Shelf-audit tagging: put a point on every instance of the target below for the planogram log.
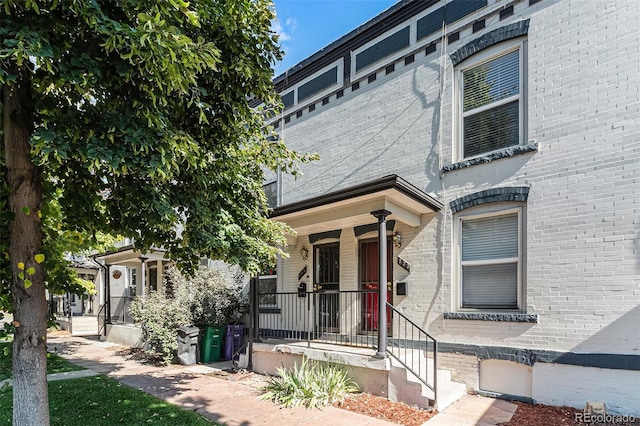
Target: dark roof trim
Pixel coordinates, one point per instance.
(363, 229)
(366, 32)
(378, 185)
(314, 238)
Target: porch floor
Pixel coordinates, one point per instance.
(322, 346)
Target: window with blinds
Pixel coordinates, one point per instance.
(490, 257)
(491, 105)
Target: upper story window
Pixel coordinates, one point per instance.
(271, 191)
(492, 110)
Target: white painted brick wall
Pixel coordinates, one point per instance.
(583, 213)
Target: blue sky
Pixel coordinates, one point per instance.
(306, 26)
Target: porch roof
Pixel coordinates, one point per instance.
(129, 256)
(353, 206)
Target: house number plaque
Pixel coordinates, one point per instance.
(404, 264)
(302, 273)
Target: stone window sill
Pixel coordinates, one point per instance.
(511, 151)
(492, 316)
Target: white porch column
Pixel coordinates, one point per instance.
(143, 275)
(160, 277)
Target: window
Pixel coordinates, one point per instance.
(492, 104)
(271, 191)
(133, 278)
(268, 284)
(490, 260)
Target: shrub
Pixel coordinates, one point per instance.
(211, 300)
(204, 299)
(313, 385)
(160, 318)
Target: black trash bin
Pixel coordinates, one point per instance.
(188, 344)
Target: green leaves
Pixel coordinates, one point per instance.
(313, 384)
(143, 126)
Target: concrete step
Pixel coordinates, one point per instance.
(243, 361)
(84, 326)
(410, 389)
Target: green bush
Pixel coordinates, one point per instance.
(160, 318)
(204, 299)
(211, 300)
(312, 385)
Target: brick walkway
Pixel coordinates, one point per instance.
(224, 401)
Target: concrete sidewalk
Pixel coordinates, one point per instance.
(236, 402)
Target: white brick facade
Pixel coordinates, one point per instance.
(582, 217)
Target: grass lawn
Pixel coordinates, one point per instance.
(100, 401)
(55, 364)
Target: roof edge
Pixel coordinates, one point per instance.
(376, 21)
(378, 185)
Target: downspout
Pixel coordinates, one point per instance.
(254, 321)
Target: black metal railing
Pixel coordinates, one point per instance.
(102, 320)
(414, 348)
(120, 312)
(337, 317)
(347, 318)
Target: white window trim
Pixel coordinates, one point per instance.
(482, 212)
(478, 59)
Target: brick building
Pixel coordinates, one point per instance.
(502, 139)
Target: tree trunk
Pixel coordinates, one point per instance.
(30, 396)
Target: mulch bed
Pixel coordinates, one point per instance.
(382, 408)
(543, 415)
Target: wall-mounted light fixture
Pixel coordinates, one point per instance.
(304, 252)
(397, 239)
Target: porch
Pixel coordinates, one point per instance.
(325, 303)
(125, 273)
(338, 327)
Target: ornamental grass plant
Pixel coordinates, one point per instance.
(313, 385)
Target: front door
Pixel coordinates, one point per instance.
(327, 285)
(369, 281)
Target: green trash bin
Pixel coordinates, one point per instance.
(212, 344)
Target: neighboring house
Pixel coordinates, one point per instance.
(78, 312)
(495, 147)
(85, 304)
(126, 273)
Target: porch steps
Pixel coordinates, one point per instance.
(86, 325)
(406, 387)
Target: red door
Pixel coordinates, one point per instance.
(369, 280)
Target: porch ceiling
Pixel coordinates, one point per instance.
(353, 206)
(129, 256)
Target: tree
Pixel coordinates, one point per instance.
(130, 117)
